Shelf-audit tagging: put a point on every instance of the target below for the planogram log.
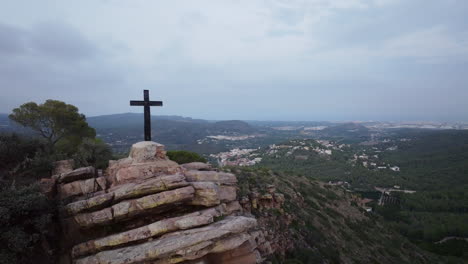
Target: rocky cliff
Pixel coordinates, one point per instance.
(149, 209)
(308, 221)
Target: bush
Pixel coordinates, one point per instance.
(93, 152)
(454, 247)
(25, 217)
(182, 156)
(304, 256)
(15, 149)
(23, 159)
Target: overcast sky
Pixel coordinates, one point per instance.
(241, 59)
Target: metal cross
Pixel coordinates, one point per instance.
(146, 103)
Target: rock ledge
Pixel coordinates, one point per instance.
(148, 209)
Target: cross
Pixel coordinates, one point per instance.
(146, 103)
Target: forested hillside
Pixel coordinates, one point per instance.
(122, 130)
(434, 164)
(437, 163)
(320, 223)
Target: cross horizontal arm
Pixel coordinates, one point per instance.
(155, 103)
(143, 103)
(137, 103)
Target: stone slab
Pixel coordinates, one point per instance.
(169, 245)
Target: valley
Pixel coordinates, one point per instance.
(414, 177)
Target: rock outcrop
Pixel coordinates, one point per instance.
(148, 209)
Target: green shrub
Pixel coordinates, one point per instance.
(93, 152)
(14, 149)
(25, 218)
(22, 159)
(304, 256)
(454, 247)
(182, 156)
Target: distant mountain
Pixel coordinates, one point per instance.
(176, 132)
(168, 123)
(347, 128)
(130, 119)
(350, 131)
(288, 123)
(232, 126)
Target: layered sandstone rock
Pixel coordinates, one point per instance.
(200, 166)
(182, 245)
(148, 209)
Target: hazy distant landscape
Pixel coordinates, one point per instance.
(122, 130)
(380, 160)
(234, 132)
(413, 174)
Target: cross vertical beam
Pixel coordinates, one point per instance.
(146, 103)
(147, 111)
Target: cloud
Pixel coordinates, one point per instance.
(214, 32)
(11, 39)
(326, 57)
(433, 43)
(51, 40)
(51, 60)
(61, 41)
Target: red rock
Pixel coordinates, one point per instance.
(148, 209)
(196, 166)
(91, 203)
(244, 254)
(130, 208)
(128, 173)
(145, 151)
(173, 245)
(206, 194)
(210, 176)
(154, 229)
(227, 193)
(150, 186)
(78, 174)
(77, 188)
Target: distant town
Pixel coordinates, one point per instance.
(384, 125)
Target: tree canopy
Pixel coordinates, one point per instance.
(55, 121)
